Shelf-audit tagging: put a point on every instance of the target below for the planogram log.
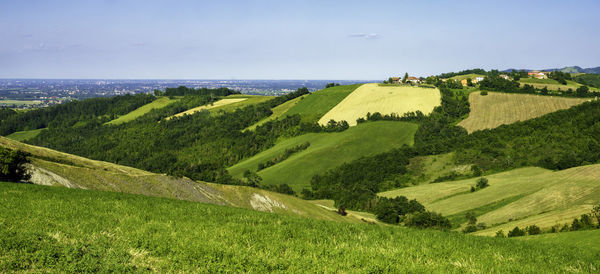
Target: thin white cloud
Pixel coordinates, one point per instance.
(365, 35)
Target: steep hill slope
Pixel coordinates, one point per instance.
(70, 230)
(383, 99)
(278, 111)
(519, 197)
(496, 108)
(50, 167)
(326, 150)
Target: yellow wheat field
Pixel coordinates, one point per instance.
(385, 100)
(216, 104)
(496, 109)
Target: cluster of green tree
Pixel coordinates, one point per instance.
(281, 188)
(464, 72)
(406, 117)
(502, 85)
(331, 126)
(74, 113)
(592, 80)
(286, 154)
(518, 74)
(185, 91)
(472, 224)
(481, 184)
(393, 210)
(5, 113)
(12, 165)
(330, 85)
(355, 185)
(560, 76)
(284, 98)
(558, 140)
(585, 222)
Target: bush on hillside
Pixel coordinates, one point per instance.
(12, 165)
(516, 232)
(427, 219)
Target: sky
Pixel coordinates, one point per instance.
(289, 39)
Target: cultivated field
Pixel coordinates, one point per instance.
(466, 76)
(156, 104)
(495, 109)
(315, 105)
(71, 230)
(551, 84)
(216, 104)
(7, 102)
(326, 151)
(24, 135)
(520, 197)
(383, 99)
(278, 111)
(53, 168)
(248, 100)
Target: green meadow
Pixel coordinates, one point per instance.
(315, 105)
(326, 151)
(69, 230)
(519, 197)
(24, 135)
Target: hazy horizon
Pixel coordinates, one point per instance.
(272, 40)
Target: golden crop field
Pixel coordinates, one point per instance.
(383, 99)
(496, 109)
(216, 104)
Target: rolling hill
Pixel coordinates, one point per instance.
(519, 197)
(497, 109)
(383, 99)
(156, 104)
(53, 168)
(278, 111)
(326, 150)
(72, 230)
(551, 84)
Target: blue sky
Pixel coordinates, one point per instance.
(290, 39)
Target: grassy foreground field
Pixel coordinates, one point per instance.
(156, 104)
(326, 151)
(496, 108)
(53, 168)
(315, 105)
(24, 135)
(68, 230)
(385, 100)
(519, 197)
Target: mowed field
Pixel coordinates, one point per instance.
(51, 229)
(326, 151)
(316, 104)
(552, 84)
(383, 99)
(520, 197)
(156, 104)
(53, 168)
(495, 109)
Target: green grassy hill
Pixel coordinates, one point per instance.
(315, 105)
(466, 76)
(326, 151)
(519, 197)
(50, 167)
(24, 135)
(70, 230)
(278, 111)
(158, 103)
(250, 100)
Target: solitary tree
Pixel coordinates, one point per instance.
(12, 165)
(405, 77)
(596, 213)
